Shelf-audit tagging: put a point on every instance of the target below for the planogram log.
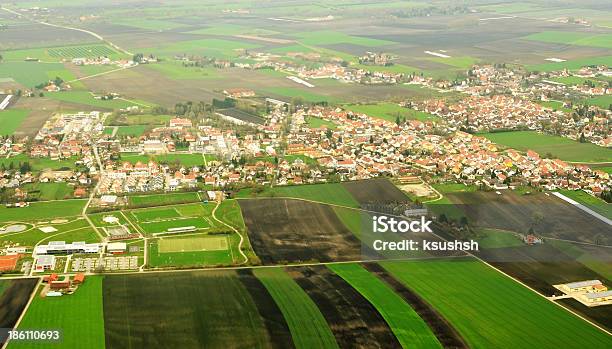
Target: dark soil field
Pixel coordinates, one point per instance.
(353, 320)
(378, 191)
(442, 329)
(14, 299)
(242, 115)
(547, 215)
(191, 310)
(287, 231)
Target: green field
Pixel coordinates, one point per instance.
(555, 105)
(164, 226)
(131, 131)
(28, 74)
(573, 38)
(492, 311)
(58, 53)
(86, 98)
(306, 323)
(49, 191)
(314, 122)
(594, 203)
(232, 29)
(327, 37)
(154, 214)
(408, 327)
(390, 112)
(461, 62)
(187, 160)
(176, 70)
(79, 316)
(604, 102)
(151, 24)
(163, 199)
(494, 238)
(573, 64)
(11, 119)
(37, 164)
(218, 48)
(330, 193)
(190, 251)
(559, 147)
(75, 228)
(43, 210)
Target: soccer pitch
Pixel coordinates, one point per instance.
(191, 244)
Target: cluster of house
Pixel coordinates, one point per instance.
(122, 63)
(589, 292)
(376, 58)
(364, 147)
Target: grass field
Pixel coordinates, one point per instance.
(326, 37)
(604, 102)
(38, 164)
(461, 62)
(132, 131)
(150, 24)
(572, 64)
(555, 105)
(190, 251)
(494, 238)
(86, 98)
(306, 323)
(390, 112)
(331, 193)
(79, 316)
(406, 324)
(163, 199)
(218, 48)
(573, 38)
(42, 210)
(232, 29)
(154, 214)
(494, 311)
(559, 147)
(176, 70)
(594, 203)
(49, 191)
(28, 74)
(11, 119)
(164, 226)
(57, 53)
(314, 122)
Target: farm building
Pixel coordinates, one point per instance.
(60, 284)
(50, 278)
(581, 286)
(595, 297)
(116, 247)
(61, 247)
(8, 263)
(44, 262)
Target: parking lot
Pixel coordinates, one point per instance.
(108, 264)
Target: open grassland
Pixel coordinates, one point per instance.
(79, 316)
(176, 70)
(37, 164)
(558, 147)
(86, 98)
(494, 311)
(28, 74)
(49, 191)
(572, 64)
(327, 37)
(42, 210)
(218, 48)
(11, 119)
(390, 112)
(573, 38)
(163, 199)
(190, 251)
(594, 203)
(330, 193)
(208, 309)
(306, 323)
(408, 327)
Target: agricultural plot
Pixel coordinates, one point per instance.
(190, 251)
(11, 119)
(149, 310)
(573, 38)
(49, 191)
(163, 199)
(318, 38)
(282, 231)
(14, 295)
(352, 318)
(559, 147)
(329, 193)
(572, 64)
(28, 74)
(390, 112)
(218, 48)
(81, 51)
(410, 330)
(375, 191)
(42, 210)
(306, 323)
(38, 164)
(79, 315)
(300, 93)
(594, 203)
(177, 71)
(494, 310)
(86, 98)
(547, 215)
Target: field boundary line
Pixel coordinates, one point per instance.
(246, 259)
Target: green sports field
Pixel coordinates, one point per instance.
(559, 147)
(192, 244)
(80, 316)
(308, 327)
(408, 327)
(491, 310)
(191, 251)
(164, 226)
